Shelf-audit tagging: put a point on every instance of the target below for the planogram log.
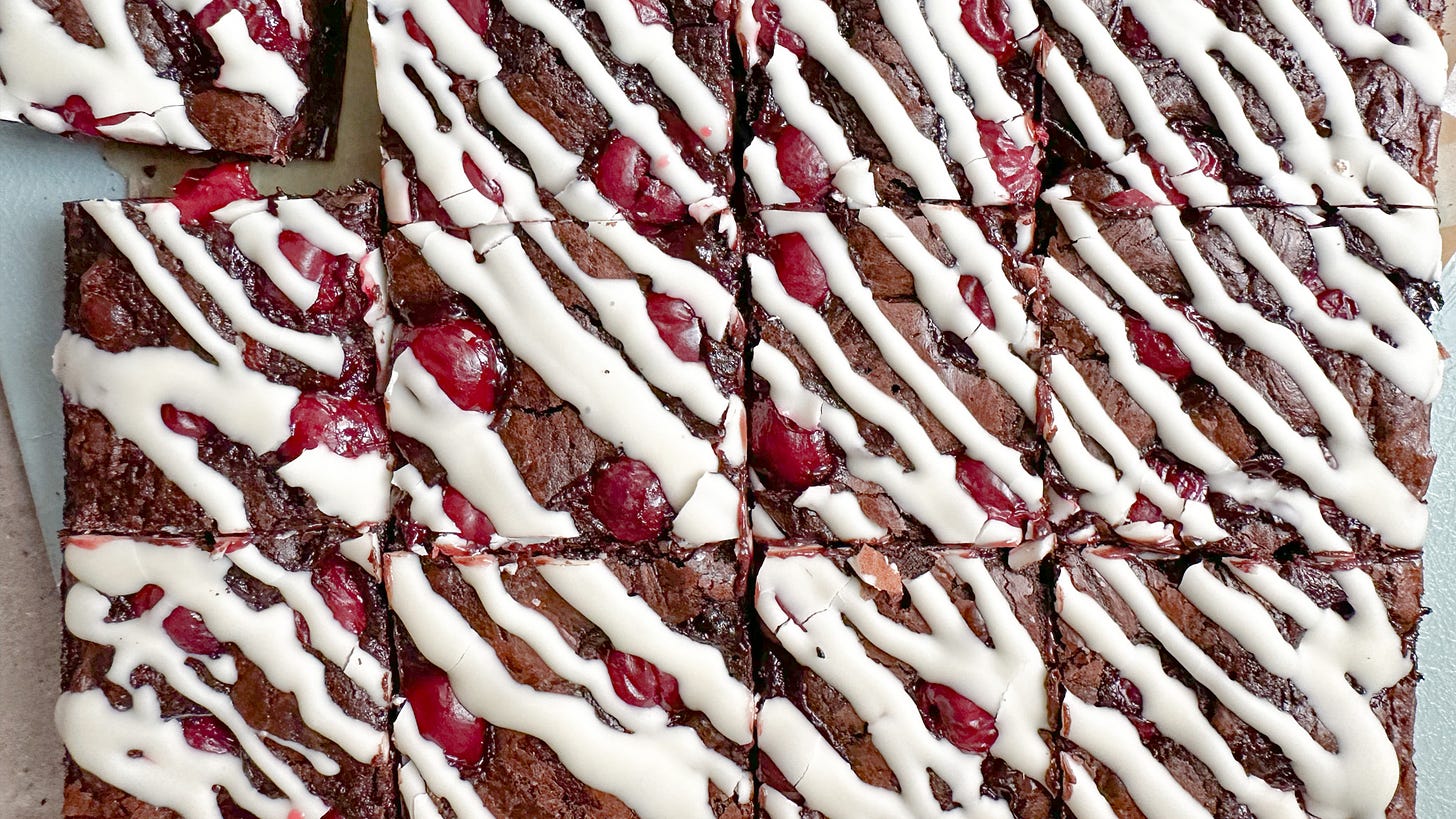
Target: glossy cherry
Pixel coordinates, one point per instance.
(1189, 484)
(146, 598)
(489, 188)
(801, 165)
(207, 733)
(204, 190)
(1164, 179)
(442, 719)
(310, 260)
(187, 630)
(1015, 166)
(1157, 350)
(954, 718)
(623, 175)
(627, 497)
(473, 524)
(786, 453)
(350, 427)
(678, 325)
(475, 13)
(974, 294)
(336, 579)
(462, 356)
(185, 423)
(799, 269)
(771, 30)
(989, 23)
(638, 682)
(77, 113)
(1129, 699)
(1125, 203)
(990, 492)
(1333, 301)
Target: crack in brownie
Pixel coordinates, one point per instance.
(221, 361)
(594, 688)
(246, 677)
(257, 77)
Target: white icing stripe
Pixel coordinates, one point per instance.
(601, 756)
(1008, 680)
(1357, 779)
(841, 512)
(251, 68)
(193, 578)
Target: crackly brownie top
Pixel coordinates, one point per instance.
(223, 312)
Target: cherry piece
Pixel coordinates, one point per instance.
(622, 175)
(1157, 350)
(771, 29)
(1135, 39)
(801, 165)
(627, 497)
(489, 188)
(185, 423)
(1144, 510)
(992, 494)
(475, 13)
(652, 13)
(1363, 11)
(799, 269)
(974, 294)
(202, 191)
(1189, 484)
(442, 719)
(787, 453)
(350, 427)
(412, 28)
(266, 24)
(77, 113)
(207, 733)
(640, 683)
(1015, 167)
(678, 325)
(989, 23)
(473, 524)
(187, 630)
(1333, 301)
(428, 208)
(311, 261)
(772, 776)
(954, 718)
(145, 599)
(1164, 179)
(1129, 700)
(461, 356)
(1125, 203)
(301, 630)
(334, 578)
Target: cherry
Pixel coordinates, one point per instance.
(428, 208)
(207, 733)
(622, 175)
(1189, 484)
(311, 261)
(489, 188)
(461, 356)
(473, 524)
(412, 28)
(640, 683)
(1135, 39)
(185, 423)
(203, 190)
(266, 24)
(349, 427)
(1129, 699)
(1015, 167)
(652, 13)
(989, 23)
(1157, 350)
(1335, 302)
(990, 492)
(301, 630)
(773, 777)
(954, 718)
(627, 497)
(771, 29)
(1364, 11)
(678, 325)
(1163, 179)
(475, 13)
(335, 579)
(799, 269)
(1144, 510)
(790, 455)
(77, 113)
(187, 630)
(801, 165)
(1125, 203)
(146, 598)
(442, 719)
(974, 294)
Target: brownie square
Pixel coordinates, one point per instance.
(261, 78)
(889, 102)
(494, 111)
(1231, 103)
(1245, 379)
(1225, 687)
(904, 683)
(569, 383)
(245, 676)
(891, 400)
(220, 362)
(601, 687)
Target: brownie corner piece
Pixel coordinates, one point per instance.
(904, 682)
(1222, 685)
(552, 685)
(260, 79)
(221, 360)
(248, 677)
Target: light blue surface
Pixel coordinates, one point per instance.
(38, 172)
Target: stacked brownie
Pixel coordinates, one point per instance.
(941, 408)
(228, 481)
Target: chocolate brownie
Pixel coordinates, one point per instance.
(904, 683)
(1256, 376)
(235, 677)
(220, 362)
(1237, 103)
(608, 687)
(1230, 688)
(572, 382)
(891, 402)
(889, 102)
(622, 109)
(257, 77)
